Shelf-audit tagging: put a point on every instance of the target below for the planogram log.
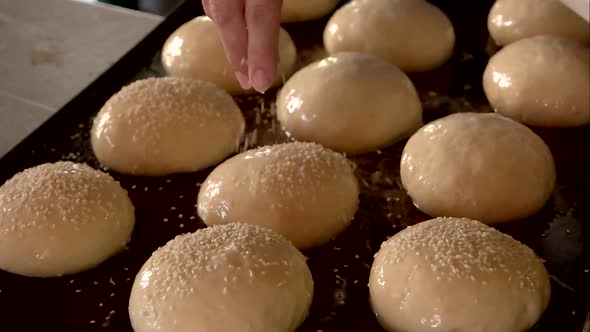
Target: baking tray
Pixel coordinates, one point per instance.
(96, 300)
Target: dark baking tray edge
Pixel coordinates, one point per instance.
(140, 57)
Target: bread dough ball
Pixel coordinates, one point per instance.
(194, 50)
(541, 81)
(481, 166)
(350, 102)
(303, 191)
(512, 20)
(160, 126)
(62, 218)
(227, 278)
(413, 35)
(300, 11)
(458, 275)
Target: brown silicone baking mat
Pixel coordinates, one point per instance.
(96, 300)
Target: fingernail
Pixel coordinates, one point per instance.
(243, 79)
(259, 81)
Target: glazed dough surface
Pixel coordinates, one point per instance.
(62, 218)
(457, 275)
(160, 126)
(541, 81)
(301, 11)
(512, 20)
(481, 166)
(350, 102)
(228, 278)
(303, 191)
(195, 51)
(411, 34)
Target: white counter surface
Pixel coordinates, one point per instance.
(50, 50)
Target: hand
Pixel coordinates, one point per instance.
(249, 30)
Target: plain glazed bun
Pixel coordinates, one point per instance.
(195, 51)
(301, 11)
(512, 20)
(541, 81)
(350, 102)
(62, 218)
(227, 278)
(304, 191)
(160, 126)
(481, 166)
(457, 275)
(411, 34)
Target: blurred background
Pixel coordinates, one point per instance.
(158, 7)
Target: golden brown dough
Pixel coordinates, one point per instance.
(459, 275)
(478, 165)
(411, 34)
(301, 11)
(62, 218)
(512, 20)
(160, 126)
(227, 278)
(541, 81)
(195, 51)
(304, 191)
(350, 102)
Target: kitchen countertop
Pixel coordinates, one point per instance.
(50, 50)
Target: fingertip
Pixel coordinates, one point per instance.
(263, 21)
(243, 79)
(228, 17)
(261, 80)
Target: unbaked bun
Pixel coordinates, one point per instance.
(350, 102)
(411, 34)
(481, 166)
(228, 278)
(301, 11)
(62, 218)
(457, 275)
(303, 191)
(512, 20)
(541, 81)
(160, 126)
(195, 51)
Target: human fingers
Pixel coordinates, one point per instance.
(228, 16)
(263, 18)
